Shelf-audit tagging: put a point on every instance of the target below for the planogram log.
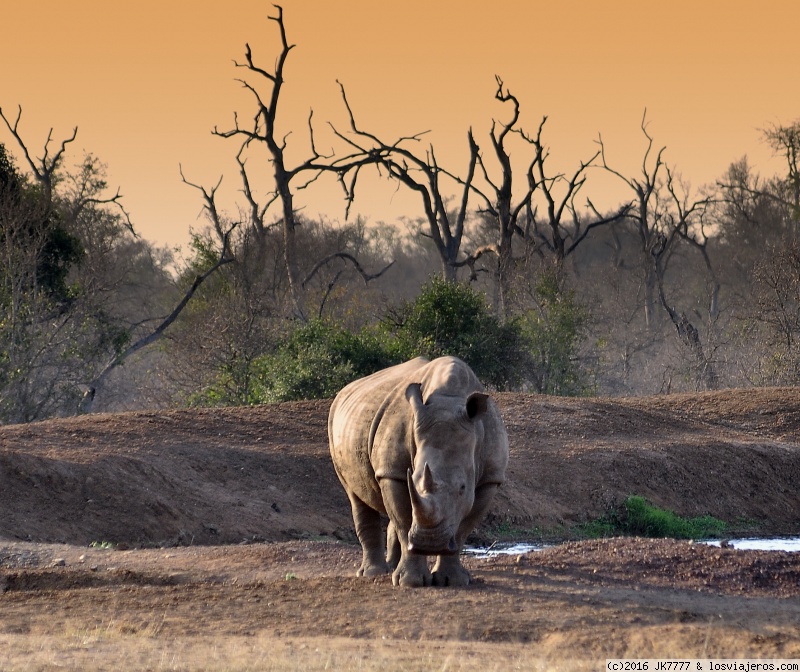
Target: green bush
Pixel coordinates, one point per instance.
(638, 517)
(554, 332)
(453, 319)
(319, 358)
(316, 361)
(643, 519)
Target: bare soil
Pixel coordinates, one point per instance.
(231, 543)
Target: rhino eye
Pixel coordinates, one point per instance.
(462, 489)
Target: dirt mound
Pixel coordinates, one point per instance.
(234, 475)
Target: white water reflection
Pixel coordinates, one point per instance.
(503, 549)
(773, 544)
(777, 544)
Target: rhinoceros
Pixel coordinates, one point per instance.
(423, 444)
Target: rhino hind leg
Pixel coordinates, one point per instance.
(369, 530)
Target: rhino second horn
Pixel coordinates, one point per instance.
(428, 484)
(422, 509)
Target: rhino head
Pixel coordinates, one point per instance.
(441, 484)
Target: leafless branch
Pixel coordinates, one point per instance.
(225, 257)
(210, 205)
(473, 258)
(347, 257)
(44, 167)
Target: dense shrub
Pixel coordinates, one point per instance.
(638, 517)
(453, 319)
(316, 361)
(554, 331)
(319, 358)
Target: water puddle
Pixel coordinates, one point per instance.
(517, 548)
(494, 550)
(777, 544)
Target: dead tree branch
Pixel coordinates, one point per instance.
(262, 132)
(45, 167)
(422, 175)
(89, 397)
(347, 257)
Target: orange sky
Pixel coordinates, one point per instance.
(146, 82)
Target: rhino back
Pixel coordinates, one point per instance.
(357, 413)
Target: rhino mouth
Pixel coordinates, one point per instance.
(438, 540)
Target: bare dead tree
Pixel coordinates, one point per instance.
(690, 224)
(550, 232)
(263, 131)
(500, 206)
(44, 168)
(665, 216)
(421, 173)
(224, 232)
(646, 214)
(785, 140)
(288, 179)
(686, 331)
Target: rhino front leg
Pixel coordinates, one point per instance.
(411, 570)
(448, 570)
(367, 522)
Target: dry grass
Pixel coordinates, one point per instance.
(116, 647)
(108, 649)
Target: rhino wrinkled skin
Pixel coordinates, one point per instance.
(423, 444)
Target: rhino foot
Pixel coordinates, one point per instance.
(377, 569)
(449, 572)
(373, 570)
(412, 572)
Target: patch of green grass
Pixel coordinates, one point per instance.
(634, 517)
(646, 520)
(105, 545)
(638, 517)
(597, 529)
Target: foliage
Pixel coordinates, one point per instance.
(32, 232)
(638, 517)
(554, 332)
(453, 319)
(64, 285)
(778, 310)
(316, 361)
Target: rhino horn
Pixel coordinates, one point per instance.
(422, 509)
(428, 484)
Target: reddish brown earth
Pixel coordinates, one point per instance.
(233, 543)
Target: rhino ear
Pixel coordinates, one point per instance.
(477, 403)
(414, 396)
